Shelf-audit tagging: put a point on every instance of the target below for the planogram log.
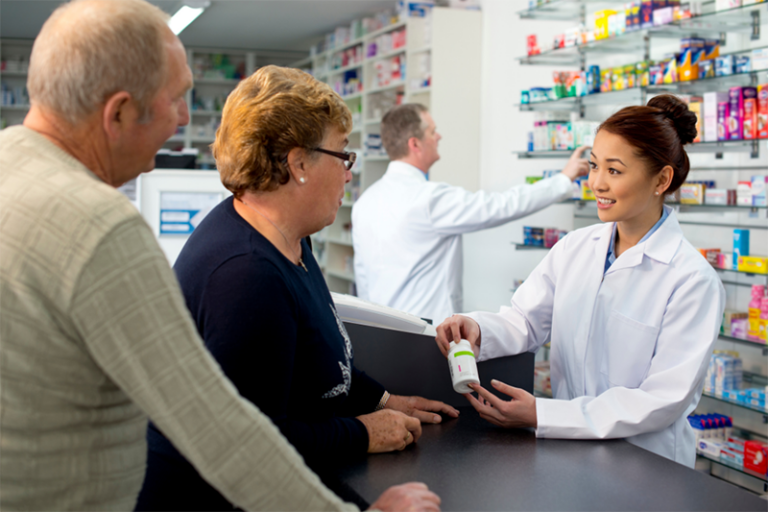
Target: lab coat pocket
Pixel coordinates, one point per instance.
(628, 351)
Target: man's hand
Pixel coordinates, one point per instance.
(520, 412)
(421, 408)
(577, 166)
(413, 496)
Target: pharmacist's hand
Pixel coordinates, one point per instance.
(520, 412)
(390, 430)
(457, 328)
(411, 496)
(577, 166)
(420, 408)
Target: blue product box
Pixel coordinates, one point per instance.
(525, 97)
(533, 236)
(593, 80)
(724, 65)
(740, 244)
(741, 64)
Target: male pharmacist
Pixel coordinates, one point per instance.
(407, 230)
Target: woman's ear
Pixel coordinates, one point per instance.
(664, 179)
(297, 164)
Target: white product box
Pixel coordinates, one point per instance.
(711, 99)
(758, 191)
(716, 196)
(744, 193)
(709, 446)
(722, 5)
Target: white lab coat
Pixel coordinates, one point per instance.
(629, 350)
(407, 236)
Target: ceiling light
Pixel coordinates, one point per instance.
(186, 15)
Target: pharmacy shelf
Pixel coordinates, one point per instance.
(375, 120)
(393, 85)
(526, 247)
(427, 48)
(14, 107)
(385, 30)
(635, 41)
(420, 90)
(344, 69)
(737, 404)
(345, 46)
(341, 275)
(215, 113)
(217, 81)
(177, 138)
(376, 158)
(391, 53)
(353, 96)
(339, 241)
(743, 341)
(740, 469)
(202, 140)
(13, 74)
(634, 95)
(562, 10)
(720, 147)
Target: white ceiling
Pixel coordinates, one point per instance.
(290, 25)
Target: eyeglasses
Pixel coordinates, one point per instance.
(349, 158)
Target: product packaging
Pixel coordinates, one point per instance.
(688, 64)
(739, 328)
(463, 367)
(551, 236)
(670, 71)
(759, 59)
(724, 5)
(723, 115)
(753, 312)
(744, 194)
(533, 236)
(740, 243)
(706, 69)
(763, 335)
(586, 192)
(694, 105)
(758, 191)
(749, 115)
(710, 255)
(741, 64)
(724, 65)
(756, 457)
(716, 196)
(737, 96)
(710, 113)
(753, 264)
(593, 79)
(762, 111)
(728, 317)
(692, 193)
(725, 262)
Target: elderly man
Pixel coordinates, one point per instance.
(95, 333)
(407, 230)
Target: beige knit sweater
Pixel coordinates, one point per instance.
(95, 337)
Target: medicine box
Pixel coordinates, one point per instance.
(723, 115)
(692, 193)
(740, 243)
(758, 191)
(709, 447)
(749, 112)
(711, 99)
(695, 106)
(744, 193)
(753, 264)
(586, 192)
(756, 457)
(716, 196)
(723, 5)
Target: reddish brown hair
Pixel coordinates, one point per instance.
(658, 133)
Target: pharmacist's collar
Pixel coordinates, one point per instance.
(400, 168)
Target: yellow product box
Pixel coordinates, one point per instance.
(692, 193)
(695, 106)
(586, 192)
(601, 23)
(753, 264)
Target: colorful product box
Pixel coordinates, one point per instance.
(741, 64)
(749, 118)
(533, 236)
(753, 264)
(688, 64)
(691, 193)
(762, 111)
(758, 191)
(709, 106)
(737, 96)
(710, 255)
(723, 115)
(744, 195)
(718, 196)
(586, 192)
(724, 65)
(740, 243)
(694, 105)
(756, 457)
(725, 262)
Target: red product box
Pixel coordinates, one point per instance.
(756, 457)
(762, 111)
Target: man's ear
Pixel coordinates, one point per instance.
(118, 114)
(414, 144)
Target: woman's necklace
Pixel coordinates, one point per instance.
(301, 261)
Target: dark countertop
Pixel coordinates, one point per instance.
(473, 465)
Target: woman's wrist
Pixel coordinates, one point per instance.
(383, 402)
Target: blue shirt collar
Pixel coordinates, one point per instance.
(611, 257)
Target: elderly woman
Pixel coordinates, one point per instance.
(259, 298)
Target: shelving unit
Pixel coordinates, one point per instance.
(433, 39)
(14, 79)
(709, 221)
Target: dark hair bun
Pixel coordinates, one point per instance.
(677, 111)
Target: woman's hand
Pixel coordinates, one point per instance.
(457, 328)
(421, 408)
(520, 412)
(390, 430)
(413, 496)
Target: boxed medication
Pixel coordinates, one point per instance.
(762, 111)
(692, 193)
(725, 262)
(694, 105)
(756, 457)
(740, 243)
(758, 191)
(719, 196)
(711, 100)
(744, 193)
(586, 192)
(709, 447)
(723, 117)
(759, 59)
(753, 264)
(737, 96)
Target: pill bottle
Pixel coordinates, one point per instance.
(461, 361)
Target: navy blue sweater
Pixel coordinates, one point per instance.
(273, 328)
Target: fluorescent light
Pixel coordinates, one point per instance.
(184, 17)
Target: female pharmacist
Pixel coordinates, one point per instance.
(632, 310)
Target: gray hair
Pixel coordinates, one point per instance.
(399, 125)
(89, 50)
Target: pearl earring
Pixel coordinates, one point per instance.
(302, 180)
(657, 192)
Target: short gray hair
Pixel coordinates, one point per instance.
(399, 125)
(89, 50)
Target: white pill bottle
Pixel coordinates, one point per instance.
(461, 361)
